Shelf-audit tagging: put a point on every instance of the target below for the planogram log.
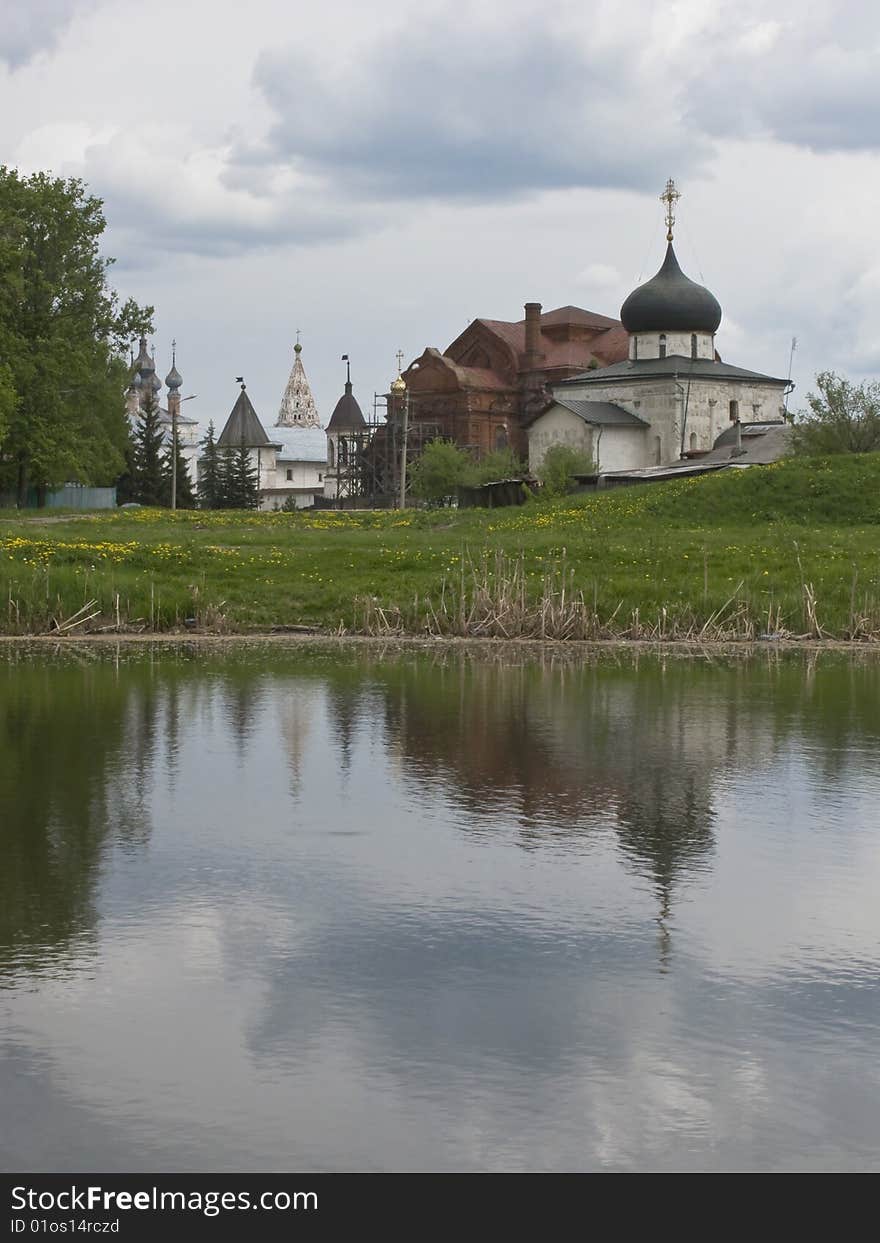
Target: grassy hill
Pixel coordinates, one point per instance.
(786, 549)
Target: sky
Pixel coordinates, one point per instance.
(376, 177)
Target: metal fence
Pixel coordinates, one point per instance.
(70, 496)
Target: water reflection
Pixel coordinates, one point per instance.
(347, 908)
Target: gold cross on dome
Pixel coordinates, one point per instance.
(670, 197)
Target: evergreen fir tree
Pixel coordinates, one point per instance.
(244, 486)
(210, 487)
(185, 496)
(225, 488)
(125, 481)
(148, 479)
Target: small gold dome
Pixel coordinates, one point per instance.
(398, 386)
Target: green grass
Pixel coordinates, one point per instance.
(796, 545)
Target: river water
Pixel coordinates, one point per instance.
(271, 907)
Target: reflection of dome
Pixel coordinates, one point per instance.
(671, 302)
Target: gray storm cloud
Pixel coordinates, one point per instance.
(452, 112)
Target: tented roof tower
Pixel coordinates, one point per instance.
(298, 407)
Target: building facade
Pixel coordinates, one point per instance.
(482, 391)
(670, 397)
(290, 464)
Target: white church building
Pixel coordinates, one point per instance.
(672, 397)
(291, 462)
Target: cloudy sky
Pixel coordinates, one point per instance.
(377, 176)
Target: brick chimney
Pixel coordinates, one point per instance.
(533, 356)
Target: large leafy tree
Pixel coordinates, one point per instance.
(842, 417)
(62, 336)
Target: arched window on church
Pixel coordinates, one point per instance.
(734, 412)
(662, 345)
(693, 441)
(331, 454)
(343, 452)
(658, 451)
(693, 345)
(501, 438)
(635, 348)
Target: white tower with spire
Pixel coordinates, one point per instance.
(298, 407)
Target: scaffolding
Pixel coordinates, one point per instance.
(368, 459)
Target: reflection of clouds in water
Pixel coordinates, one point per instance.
(342, 1049)
(438, 946)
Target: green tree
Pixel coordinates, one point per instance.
(500, 464)
(560, 465)
(210, 489)
(440, 469)
(149, 476)
(125, 481)
(185, 496)
(225, 486)
(62, 333)
(842, 417)
(242, 488)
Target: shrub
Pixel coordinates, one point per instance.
(560, 465)
(500, 464)
(439, 471)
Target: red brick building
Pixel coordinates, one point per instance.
(480, 391)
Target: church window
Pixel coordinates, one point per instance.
(343, 452)
(320, 477)
(693, 345)
(734, 412)
(290, 474)
(662, 353)
(658, 451)
(501, 438)
(635, 348)
(693, 441)
(331, 455)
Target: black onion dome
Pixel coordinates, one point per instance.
(348, 414)
(671, 302)
(173, 379)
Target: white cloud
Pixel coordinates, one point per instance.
(378, 178)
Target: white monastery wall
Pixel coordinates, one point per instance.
(621, 448)
(612, 448)
(704, 408)
(293, 474)
(558, 426)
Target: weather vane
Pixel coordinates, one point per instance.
(670, 197)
